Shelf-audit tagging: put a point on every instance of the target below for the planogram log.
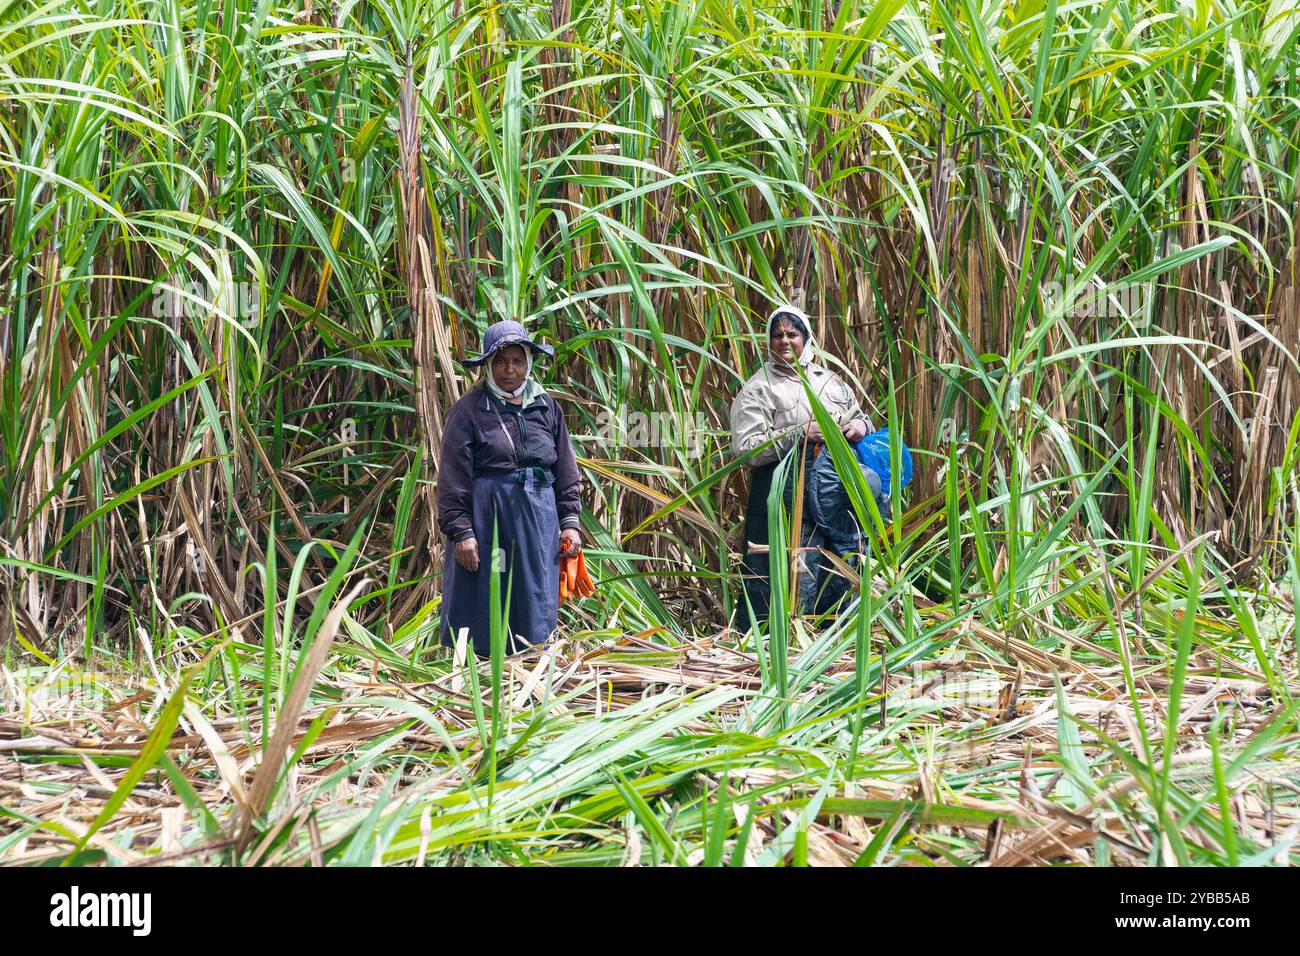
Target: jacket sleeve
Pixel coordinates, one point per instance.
(568, 480)
(455, 477)
(751, 425)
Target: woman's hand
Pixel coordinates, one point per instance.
(467, 554)
(572, 536)
(855, 430)
(814, 433)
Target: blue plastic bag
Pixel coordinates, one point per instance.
(873, 451)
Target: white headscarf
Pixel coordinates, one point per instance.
(500, 392)
(806, 354)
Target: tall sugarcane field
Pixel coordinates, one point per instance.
(307, 307)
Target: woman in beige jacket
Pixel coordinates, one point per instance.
(774, 404)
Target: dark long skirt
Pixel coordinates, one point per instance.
(528, 548)
(756, 567)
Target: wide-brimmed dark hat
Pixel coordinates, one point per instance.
(503, 333)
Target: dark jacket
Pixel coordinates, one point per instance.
(473, 443)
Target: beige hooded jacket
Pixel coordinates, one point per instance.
(773, 401)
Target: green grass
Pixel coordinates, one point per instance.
(1051, 245)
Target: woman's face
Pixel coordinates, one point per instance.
(786, 342)
(509, 366)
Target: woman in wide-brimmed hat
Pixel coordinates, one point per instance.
(507, 467)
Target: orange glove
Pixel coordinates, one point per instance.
(575, 582)
(586, 586)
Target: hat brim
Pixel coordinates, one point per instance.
(539, 348)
